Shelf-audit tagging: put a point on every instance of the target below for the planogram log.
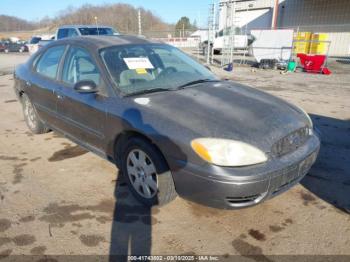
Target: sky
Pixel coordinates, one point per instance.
(169, 11)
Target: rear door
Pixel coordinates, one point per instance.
(42, 86)
(82, 116)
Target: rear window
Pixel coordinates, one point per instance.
(96, 31)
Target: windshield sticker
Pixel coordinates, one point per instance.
(141, 71)
(138, 63)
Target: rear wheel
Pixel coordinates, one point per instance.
(31, 117)
(147, 173)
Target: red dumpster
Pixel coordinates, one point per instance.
(313, 63)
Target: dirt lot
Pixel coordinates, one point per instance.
(56, 198)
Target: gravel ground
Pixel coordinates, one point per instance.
(58, 199)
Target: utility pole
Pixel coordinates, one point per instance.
(275, 15)
(139, 18)
(183, 30)
(210, 28)
(232, 30)
(214, 32)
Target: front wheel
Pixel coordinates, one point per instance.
(31, 117)
(147, 173)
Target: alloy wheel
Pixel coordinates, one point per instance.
(29, 113)
(142, 173)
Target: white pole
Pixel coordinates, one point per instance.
(214, 33)
(139, 18)
(98, 30)
(209, 33)
(232, 29)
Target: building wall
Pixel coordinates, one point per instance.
(317, 16)
(326, 15)
(250, 14)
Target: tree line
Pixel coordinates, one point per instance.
(123, 17)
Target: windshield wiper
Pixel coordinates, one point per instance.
(197, 82)
(148, 91)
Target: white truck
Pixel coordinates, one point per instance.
(223, 39)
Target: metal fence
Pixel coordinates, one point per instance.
(336, 44)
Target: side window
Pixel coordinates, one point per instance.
(72, 32)
(62, 33)
(78, 66)
(49, 61)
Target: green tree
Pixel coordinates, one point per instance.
(182, 26)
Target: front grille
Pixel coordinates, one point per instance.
(291, 142)
(291, 174)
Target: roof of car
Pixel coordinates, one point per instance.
(99, 42)
(86, 26)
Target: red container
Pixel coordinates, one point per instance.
(312, 63)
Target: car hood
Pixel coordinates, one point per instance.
(224, 110)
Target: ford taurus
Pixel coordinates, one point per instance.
(169, 124)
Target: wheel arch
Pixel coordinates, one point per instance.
(122, 138)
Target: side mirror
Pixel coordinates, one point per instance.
(86, 87)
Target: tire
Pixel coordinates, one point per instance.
(152, 173)
(31, 117)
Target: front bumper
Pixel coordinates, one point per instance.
(228, 188)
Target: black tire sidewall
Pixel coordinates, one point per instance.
(164, 177)
(39, 127)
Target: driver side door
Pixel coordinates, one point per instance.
(82, 115)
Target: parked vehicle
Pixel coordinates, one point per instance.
(2, 46)
(80, 30)
(168, 123)
(37, 42)
(225, 38)
(43, 43)
(15, 47)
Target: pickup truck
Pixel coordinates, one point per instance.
(69, 31)
(80, 30)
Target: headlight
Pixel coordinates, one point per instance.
(307, 116)
(225, 152)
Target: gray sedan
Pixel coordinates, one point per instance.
(167, 122)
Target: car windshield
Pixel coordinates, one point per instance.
(96, 31)
(142, 68)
